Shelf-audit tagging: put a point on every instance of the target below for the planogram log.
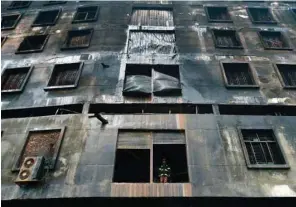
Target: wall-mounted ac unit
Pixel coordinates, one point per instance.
(31, 171)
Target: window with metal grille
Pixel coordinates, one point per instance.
(41, 143)
(152, 17)
(261, 16)
(86, 14)
(287, 73)
(78, 39)
(19, 5)
(64, 76)
(14, 79)
(47, 18)
(10, 21)
(49, 3)
(161, 80)
(274, 40)
(32, 44)
(238, 75)
(262, 149)
(218, 14)
(226, 39)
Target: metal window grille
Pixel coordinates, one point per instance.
(288, 73)
(238, 74)
(46, 17)
(13, 79)
(273, 39)
(226, 39)
(86, 13)
(9, 21)
(19, 4)
(262, 147)
(65, 74)
(218, 13)
(78, 38)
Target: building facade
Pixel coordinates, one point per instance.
(103, 91)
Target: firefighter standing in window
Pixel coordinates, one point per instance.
(164, 171)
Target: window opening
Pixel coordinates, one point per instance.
(288, 75)
(273, 40)
(78, 39)
(218, 14)
(32, 44)
(14, 79)
(86, 14)
(226, 39)
(19, 5)
(10, 21)
(261, 16)
(46, 18)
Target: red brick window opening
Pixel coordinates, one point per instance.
(19, 5)
(10, 21)
(14, 79)
(261, 16)
(274, 40)
(218, 14)
(227, 39)
(78, 39)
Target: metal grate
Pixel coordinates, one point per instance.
(13, 79)
(288, 73)
(46, 17)
(262, 147)
(78, 39)
(273, 39)
(261, 15)
(10, 21)
(238, 74)
(19, 4)
(41, 143)
(85, 14)
(219, 14)
(65, 74)
(226, 39)
(152, 17)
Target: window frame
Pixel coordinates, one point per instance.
(277, 70)
(46, 24)
(15, 23)
(260, 22)
(226, 47)
(214, 20)
(252, 73)
(82, 21)
(65, 47)
(10, 7)
(49, 88)
(262, 166)
(283, 37)
(30, 69)
(32, 50)
(17, 159)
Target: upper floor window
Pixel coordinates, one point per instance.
(77, 39)
(226, 39)
(32, 44)
(152, 17)
(274, 40)
(47, 18)
(287, 73)
(261, 16)
(218, 14)
(262, 149)
(49, 3)
(86, 14)
(10, 21)
(19, 5)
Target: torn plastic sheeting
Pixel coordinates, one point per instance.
(152, 42)
(137, 84)
(164, 84)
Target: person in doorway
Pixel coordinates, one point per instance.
(164, 171)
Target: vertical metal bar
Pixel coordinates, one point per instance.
(270, 153)
(254, 155)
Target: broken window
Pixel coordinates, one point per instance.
(136, 147)
(10, 21)
(274, 40)
(287, 75)
(77, 39)
(32, 44)
(19, 5)
(14, 79)
(86, 14)
(238, 75)
(151, 42)
(261, 148)
(161, 80)
(152, 17)
(49, 3)
(64, 76)
(226, 39)
(261, 16)
(218, 14)
(46, 18)
(41, 143)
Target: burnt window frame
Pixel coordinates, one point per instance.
(11, 7)
(15, 22)
(226, 47)
(65, 43)
(79, 71)
(252, 73)
(30, 69)
(276, 140)
(275, 65)
(21, 148)
(260, 22)
(51, 3)
(90, 20)
(32, 50)
(284, 38)
(47, 24)
(215, 20)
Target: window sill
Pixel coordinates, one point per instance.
(278, 48)
(51, 88)
(242, 86)
(11, 91)
(268, 166)
(29, 51)
(74, 48)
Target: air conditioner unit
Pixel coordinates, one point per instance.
(31, 171)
